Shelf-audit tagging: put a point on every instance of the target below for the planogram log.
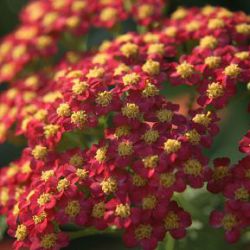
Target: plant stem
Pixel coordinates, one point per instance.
(170, 242)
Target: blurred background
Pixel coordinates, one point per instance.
(199, 203)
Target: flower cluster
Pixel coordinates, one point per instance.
(43, 23)
(105, 147)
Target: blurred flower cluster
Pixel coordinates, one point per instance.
(105, 148)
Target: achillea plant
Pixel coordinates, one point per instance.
(106, 149)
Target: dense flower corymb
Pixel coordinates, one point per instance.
(105, 147)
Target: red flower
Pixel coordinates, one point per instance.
(244, 144)
(219, 176)
(230, 220)
(176, 221)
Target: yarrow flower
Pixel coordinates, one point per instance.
(106, 149)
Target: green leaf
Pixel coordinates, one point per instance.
(3, 226)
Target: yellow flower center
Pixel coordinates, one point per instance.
(131, 110)
(124, 38)
(203, 119)
(48, 240)
(172, 146)
(19, 190)
(192, 167)
(138, 181)
(213, 62)
(78, 5)
(104, 98)
(120, 69)
(122, 210)
(145, 10)
(73, 208)
(149, 202)
(156, 48)
(208, 42)
(98, 210)
(44, 41)
(131, 79)
(150, 38)
(4, 196)
(216, 23)
(63, 184)
(72, 22)
(233, 70)
(79, 87)
(167, 179)
(57, 4)
(143, 231)
(47, 174)
(129, 49)
(224, 13)
(180, 13)
(43, 199)
(41, 114)
(151, 67)
(39, 218)
(109, 185)
(26, 32)
(243, 55)
(241, 194)
(220, 172)
(107, 14)
(150, 90)
(31, 81)
(100, 58)
(185, 70)
(193, 136)
(75, 74)
(193, 26)
(3, 110)
(16, 210)
(215, 90)
(171, 221)
(12, 170)
(26, 168)
(76, 160)
(7, 69)
(151, 136)
(125, 148)
(19, 51)
(164, 115)
(50, 130)
(79, 118)
(82, 173)
(170, 31)
(21, 232)
(243, 28)
(96, 73)
(150, 161)
(49, 19)
(39, 152)
(52, 96)
(100, 155)
(207, 10)
(122, 131)
(229, 221)
(63, 110)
